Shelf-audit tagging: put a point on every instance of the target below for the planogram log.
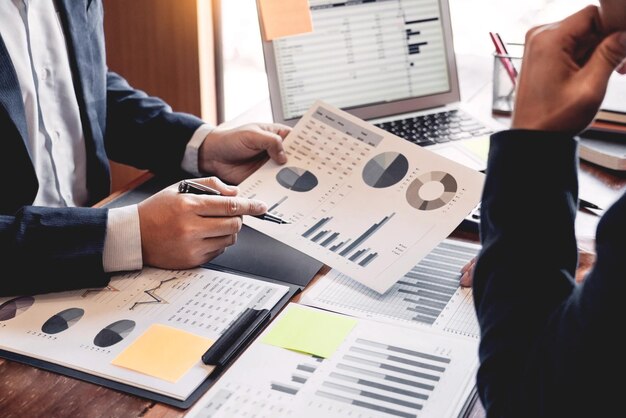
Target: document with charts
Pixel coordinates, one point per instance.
(376, 370)
(360, 199)
(428, 296)
(88, 330)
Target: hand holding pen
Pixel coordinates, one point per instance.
(179, 231)
(190, 186)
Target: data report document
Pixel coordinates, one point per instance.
(370, 369)
(428, 296)
(147, 329)
(359, 199)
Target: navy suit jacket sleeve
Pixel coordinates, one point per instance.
(54, 249)
(142, 131)
(544, 350)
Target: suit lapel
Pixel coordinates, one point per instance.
(10, 93)
(88, 67)
(74, 21)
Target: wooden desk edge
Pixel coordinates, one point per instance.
(130, 186)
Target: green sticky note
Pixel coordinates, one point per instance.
(478, 146)
(310, 331)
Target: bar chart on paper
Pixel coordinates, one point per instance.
(429, 295)
(261, 384)
(360, 199)
(377, 370)
(348, 247)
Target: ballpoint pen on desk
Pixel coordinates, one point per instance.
(190, 186)
(502, 53)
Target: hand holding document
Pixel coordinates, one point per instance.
(360, 199)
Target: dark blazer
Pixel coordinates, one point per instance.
(46, 249)
(546, 345)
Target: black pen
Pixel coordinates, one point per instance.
(587, 204)
(235, 338)
(190, 186)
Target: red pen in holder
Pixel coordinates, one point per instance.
(505, 71)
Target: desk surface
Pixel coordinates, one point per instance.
(25, 390)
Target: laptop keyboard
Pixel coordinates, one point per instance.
(436, 128)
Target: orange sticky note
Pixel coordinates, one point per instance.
(284, 18)
(163, 352)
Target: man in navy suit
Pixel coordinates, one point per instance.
(546, 348)
(63, 115)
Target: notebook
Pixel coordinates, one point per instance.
(389, 62)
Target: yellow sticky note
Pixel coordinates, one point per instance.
(163, 352)
(310, 331)
(284, 18)
(478, 146)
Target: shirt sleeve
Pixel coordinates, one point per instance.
(190, 159)
(122, 245)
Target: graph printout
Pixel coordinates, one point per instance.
(427, 296)
(380, 370)
(360, 199)
(86, 329)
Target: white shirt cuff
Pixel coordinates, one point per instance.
(190, 159)
(122, 245)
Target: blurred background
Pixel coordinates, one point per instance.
(245, 83)
(205, 57)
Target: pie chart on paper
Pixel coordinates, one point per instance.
(114, 333)
(431, 190)
(296, 179)
(385, 169)
(14, 307)
(62, 321)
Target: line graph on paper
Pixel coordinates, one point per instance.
(153, 294)
(429, 295)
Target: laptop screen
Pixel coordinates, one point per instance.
(372, 58)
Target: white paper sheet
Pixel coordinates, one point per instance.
(200, 301)
(380, 370)
(428, 296)
(360, 199)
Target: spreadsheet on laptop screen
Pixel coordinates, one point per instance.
(363, 52)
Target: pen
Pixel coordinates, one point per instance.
(501, 50)
(190, 186)
(506, 52)
(235, 338)
(587, 204)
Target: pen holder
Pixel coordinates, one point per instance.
(505, 71)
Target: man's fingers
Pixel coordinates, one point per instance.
(274, 134)
(226, 206)
(580, 24)
(217, 184)
(607, 57)
(467, 273)
(277, 128)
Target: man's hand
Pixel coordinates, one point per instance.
(184, 230)
(467, 273)
(613, 15)
(234, 154)
(565, 73)
(586, 260)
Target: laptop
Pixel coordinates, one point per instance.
(389, 62)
